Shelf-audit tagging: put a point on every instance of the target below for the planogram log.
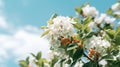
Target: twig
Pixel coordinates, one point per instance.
(88, 57)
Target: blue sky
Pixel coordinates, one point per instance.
(20, 22)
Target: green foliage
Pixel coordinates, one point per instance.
(111, 33)
(24, 63)
(117, 38)
(78, 26)
(54, 16)
(78, 54)
(109, 11)
(38, 60)
(79, 10)
(46, 32)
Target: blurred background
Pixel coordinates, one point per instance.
(20, 22)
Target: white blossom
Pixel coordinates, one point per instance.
(100, 19)
(52, 54)
(98, 43)
(78, 64)
(116, 8)
(62, 26)
(109, 20)
(92, 25)
(89, 11)
(104, 18)
(103, 63)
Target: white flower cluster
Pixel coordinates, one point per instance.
(61, 27)
(98, 44)
(104, 18)
(116, 8)
(89, 11)
(101, 20)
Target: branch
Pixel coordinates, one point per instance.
(88, 57)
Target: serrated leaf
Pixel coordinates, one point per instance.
(46, 32)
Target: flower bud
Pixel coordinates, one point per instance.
(65, 41)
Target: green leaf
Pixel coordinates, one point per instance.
(69, 61)
(73, 64)
(86, 29)
(109, 11)
(50, 21)
(118, 29)
(33, 55)
(78, 53)
(44, 27)
(117, 38)
(78, 10)
(107, 26)
(87, 20)
(46, 32)
(111, 33)
(90, 35)
(117, 16)
(23, 63)
(38, 55)
(54, 16)
(62, 60)
(27, 60)
(71, 47)
(78, 26)
(76, 19)
(115, 52)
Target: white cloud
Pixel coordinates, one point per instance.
(3, 22)
(22, 42)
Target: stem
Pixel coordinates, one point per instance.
(97, 63)
(88, 57)
(61, 65)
